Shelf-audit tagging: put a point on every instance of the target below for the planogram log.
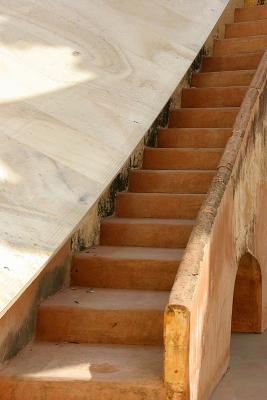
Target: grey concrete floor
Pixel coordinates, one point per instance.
(246, 378)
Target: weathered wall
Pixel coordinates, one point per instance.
(17, 325)
(87, 233)
(232, 222)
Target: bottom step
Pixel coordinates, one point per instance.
(50, 371)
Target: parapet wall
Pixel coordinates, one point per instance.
(231, 223)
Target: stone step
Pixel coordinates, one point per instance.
(193, 137)
(223, 117)
(158, 205)
(244, 29)
(173, 158)
(222, 78)
(238, 62)
(231, 96)
(145, 232)
(250, 13)
(115, 316)
(124, 267)
(162, 181)
(231, 47)
(68, 371)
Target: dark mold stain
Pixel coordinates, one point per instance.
(50, 283)
(106, 203)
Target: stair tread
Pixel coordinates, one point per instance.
(219, 88)
(241, 39)
(253, 13)
(205, 109)
(222, 79)
(186, 149)
(232, 56)
(251, 8)
(162, 195)
(231, 62)
(220, 73)
(147, 221)
(189, 130)
(173, 171)
(131, 253)
(107, 299)
(193, 138)
(45, 361)
(246, 29)
(258, 22)
(203, 117)
(175, 180)
(240, 45)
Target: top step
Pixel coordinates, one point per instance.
(250, 13)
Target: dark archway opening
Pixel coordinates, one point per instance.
(247, 301)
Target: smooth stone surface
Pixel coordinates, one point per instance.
(81, 82)
(69, 371)
(246, 377)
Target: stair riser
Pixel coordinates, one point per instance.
(170, 182)
(222, 79)
(100, 326)
(158, 206)
(213, 97)
(100, 272)
(27, 389)
(146, 235)
(242, 62)
(199, 138)
(250, 14)
(201, 118)
(176, 159)
(246, 29)
(231, 47)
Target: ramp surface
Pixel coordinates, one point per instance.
(81, 82)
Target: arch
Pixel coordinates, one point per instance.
(247, 300)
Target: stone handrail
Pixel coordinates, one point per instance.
(178, 312)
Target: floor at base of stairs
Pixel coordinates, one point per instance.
(246, 377)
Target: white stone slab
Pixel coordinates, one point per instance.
(80, 83)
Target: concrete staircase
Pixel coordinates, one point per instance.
(102, 338)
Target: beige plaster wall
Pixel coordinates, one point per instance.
(17, 325)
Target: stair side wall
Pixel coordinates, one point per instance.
(236, 226)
